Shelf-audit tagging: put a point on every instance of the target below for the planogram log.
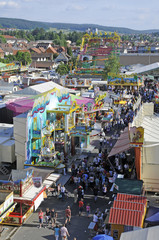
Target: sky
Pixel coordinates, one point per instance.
(134, 14)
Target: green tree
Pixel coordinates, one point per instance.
(112, 65)
(23, 57)
(26, 58)
(62, 69)
(78, 42)
(2, 39)
(69, 51)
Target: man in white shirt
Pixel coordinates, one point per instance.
(64, 232)
(95, 218)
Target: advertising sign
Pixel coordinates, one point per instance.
(136, 135)
(37, 181)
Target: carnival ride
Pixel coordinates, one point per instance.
(99, 48)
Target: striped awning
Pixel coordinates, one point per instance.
(122, 144)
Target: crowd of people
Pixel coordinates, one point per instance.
(97, 174)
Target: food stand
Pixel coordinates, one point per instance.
(27, 197)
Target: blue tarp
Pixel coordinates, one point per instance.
(153, 215)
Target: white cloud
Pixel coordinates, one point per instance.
(9, 4)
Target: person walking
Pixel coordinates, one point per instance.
(88, 210)
(79, 193)
(104, 190)
(63, 192)
(57, 232)
(53, 215)
(75, 192)
(80, 204)
(58, 189)
(68, 215)
(41, 215)
(47, 216)
(64, 232)
(95, 192)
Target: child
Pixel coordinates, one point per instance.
(88, 209)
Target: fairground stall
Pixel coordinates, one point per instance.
(7, 205)
(85, 120)
(43, 128)
(122, 82)
(27, 196)
(128, 213)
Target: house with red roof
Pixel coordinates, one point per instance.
(35, 50)
(51, 50)
(10, 39)
(128, 213)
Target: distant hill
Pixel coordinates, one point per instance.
(29, 25)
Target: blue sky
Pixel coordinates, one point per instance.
(135, 14)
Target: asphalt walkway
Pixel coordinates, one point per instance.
(79, 224)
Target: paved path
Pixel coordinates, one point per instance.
(78, 227)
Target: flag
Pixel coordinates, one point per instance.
(116, 187)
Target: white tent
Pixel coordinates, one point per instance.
(40, 88)
(151, 233)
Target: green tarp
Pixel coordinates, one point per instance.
(129, 186)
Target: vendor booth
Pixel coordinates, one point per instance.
(123, 81)
(127, 214)
(27, 195)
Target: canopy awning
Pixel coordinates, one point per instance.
(122, 144)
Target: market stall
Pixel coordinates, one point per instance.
(27, 195)
(127, 213)
(7, 204)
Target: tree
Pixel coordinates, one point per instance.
(78, 42)
(23, 57)
(62, 69)
(69, 51)
(112, 65)
(2, 39)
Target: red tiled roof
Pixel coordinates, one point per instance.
(8, 36)
(131, 198)
(37, 50)
(51, 49)
(128, 210)
(129, 205)
(125, 217)
(41, 49)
